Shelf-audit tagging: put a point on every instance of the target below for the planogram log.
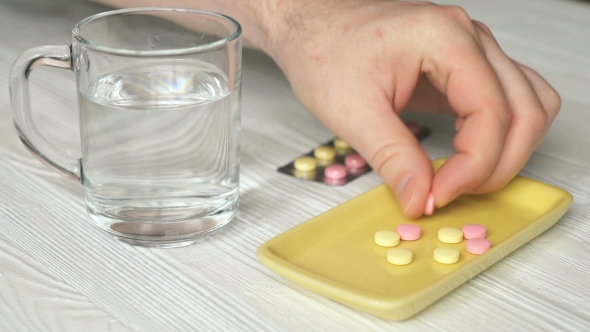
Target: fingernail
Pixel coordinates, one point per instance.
(405, 191)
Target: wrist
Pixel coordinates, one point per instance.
(267, 23)
(286, 27)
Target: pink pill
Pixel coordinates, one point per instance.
(334, 182)
(354, 161)
(474, 231)
(413, 127)
(429, 205)
(336, 171)
(357, 171)
(409, 232)
(478, 246)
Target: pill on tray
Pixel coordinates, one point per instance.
(341, 145)
(336, 171)
(354, 161)
(446, 255)
(429, 205)
(408, 232)
(399, 256)
(325, 153)
(478, 246)
(305, 164)
(474, 231)
(387, 238)
(450, 235)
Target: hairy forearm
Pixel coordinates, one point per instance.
(257, 17)
(280, 28)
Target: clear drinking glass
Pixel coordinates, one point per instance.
(159, 102)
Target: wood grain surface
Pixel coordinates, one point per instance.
(60, 273)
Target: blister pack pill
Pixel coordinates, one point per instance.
(335, 162)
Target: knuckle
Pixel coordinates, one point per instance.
(538, 121)
(457, 14)
(386, 154)
(554, 101)
(483, 27)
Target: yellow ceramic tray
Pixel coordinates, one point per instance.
(334, 255)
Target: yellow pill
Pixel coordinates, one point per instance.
(386, 238)
(446, 255)
(305, 164)
(306, 175)
(324, 153)
(450, 235)
(341, 145)
(399, 256)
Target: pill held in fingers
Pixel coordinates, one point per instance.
(429, 205)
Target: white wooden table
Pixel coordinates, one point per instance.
(60, 273)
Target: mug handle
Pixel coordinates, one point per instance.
(20, 100)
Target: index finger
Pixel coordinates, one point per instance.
(463, 73)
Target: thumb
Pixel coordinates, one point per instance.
(379, 135)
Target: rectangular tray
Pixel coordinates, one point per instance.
(334, 254)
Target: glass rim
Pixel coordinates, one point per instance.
(76, 33)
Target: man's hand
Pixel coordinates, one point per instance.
(357, 65)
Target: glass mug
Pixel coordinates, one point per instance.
(159, 95)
